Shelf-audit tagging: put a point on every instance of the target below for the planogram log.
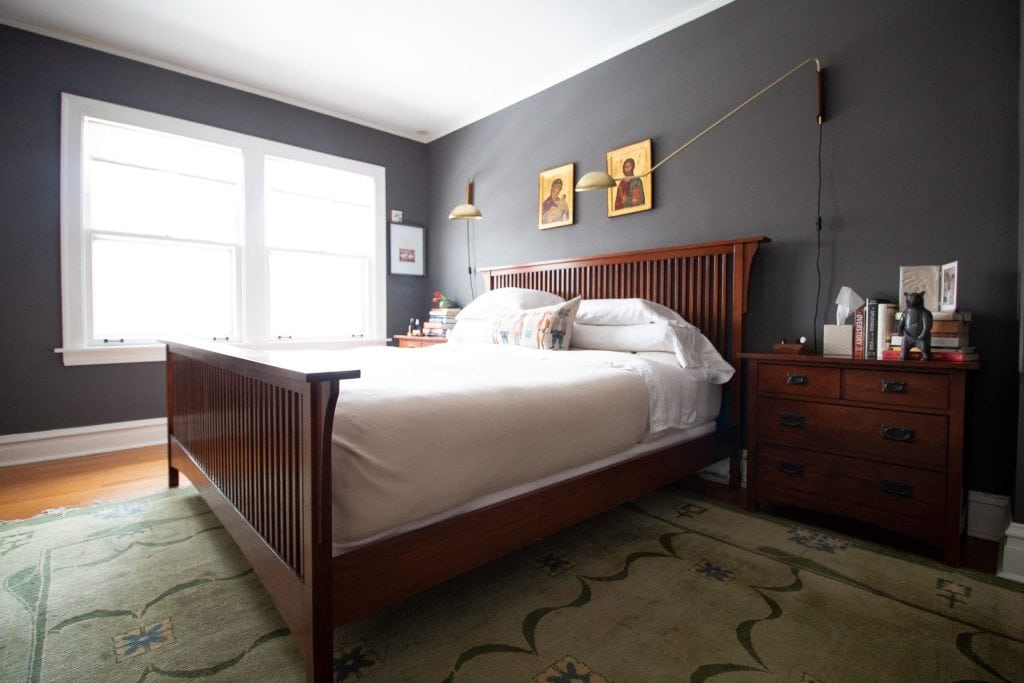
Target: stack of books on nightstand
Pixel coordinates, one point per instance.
(951, 338)
(440, 322)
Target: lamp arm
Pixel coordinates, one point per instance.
(698, 136)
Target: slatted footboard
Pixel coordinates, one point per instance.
(254, 437)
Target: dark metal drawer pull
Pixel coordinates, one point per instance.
(796, 378)
(894, 386)
(897, 488)
(904, 434)
(791, 419)
(790, 467)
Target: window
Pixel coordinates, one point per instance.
(171, 229)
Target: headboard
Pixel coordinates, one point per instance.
(705, 283)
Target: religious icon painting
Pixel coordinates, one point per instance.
(555, 201)
(630, 167)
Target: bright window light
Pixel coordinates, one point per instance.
(172, 229)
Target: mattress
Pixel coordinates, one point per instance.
(426, 434)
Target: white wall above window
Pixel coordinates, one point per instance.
(175, 230)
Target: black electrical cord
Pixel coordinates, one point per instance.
(469, 266)
(817, 257)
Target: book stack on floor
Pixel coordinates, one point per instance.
(951, 339)
(440, 322)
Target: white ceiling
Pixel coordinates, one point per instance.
(416, 68)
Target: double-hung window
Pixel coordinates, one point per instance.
(172, 229)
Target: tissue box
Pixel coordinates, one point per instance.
(838, 340)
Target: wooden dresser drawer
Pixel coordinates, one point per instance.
(918, 390)
(799, 380)
(892, 436)
(801, 475)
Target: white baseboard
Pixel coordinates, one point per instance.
(1011, 554)
(988, 515)
(54, 444)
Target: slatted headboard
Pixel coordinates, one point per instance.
(705, 283)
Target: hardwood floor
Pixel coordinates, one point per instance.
(27, 490)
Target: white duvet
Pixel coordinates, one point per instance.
(424, 431)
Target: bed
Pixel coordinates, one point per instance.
(254, 431)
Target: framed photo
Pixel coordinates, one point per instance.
(947, 302)
(408, 256)
(630, 166)
(927, 279)
(555, 201)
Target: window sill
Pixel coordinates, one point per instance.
(109, 355)
(157, 353)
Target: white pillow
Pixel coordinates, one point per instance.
(631, 338)
(692, 349)
(626, 312)
(507, 299)
(471, 330)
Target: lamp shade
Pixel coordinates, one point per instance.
(595, 180)
(465, 212)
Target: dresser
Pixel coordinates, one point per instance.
(877, 441)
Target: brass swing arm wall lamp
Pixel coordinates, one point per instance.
(599, 180)
(466, 211)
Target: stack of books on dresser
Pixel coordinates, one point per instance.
(440, 322)
(951, 338)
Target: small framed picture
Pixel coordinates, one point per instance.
(947, 301)
(408, 256)
(630, 166)
(555, 201)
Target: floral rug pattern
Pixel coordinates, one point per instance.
(665, 588)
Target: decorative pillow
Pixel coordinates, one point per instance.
(506, 299)
(548, 327)
(626, 312)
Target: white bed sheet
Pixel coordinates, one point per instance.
(428, 433)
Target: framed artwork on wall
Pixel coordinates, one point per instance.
(408, 255)
(631, 165)
(555, 201)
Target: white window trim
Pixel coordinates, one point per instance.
(76, 349)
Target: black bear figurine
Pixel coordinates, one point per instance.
(915, 326)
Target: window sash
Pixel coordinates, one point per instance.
(249, 247)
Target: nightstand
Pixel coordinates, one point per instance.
(408, 341)
(877, 441)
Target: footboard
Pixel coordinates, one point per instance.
(252, 431)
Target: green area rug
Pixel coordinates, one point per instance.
(668, 588)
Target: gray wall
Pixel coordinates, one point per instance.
(920, 159)
(38, 392)
(920, 162)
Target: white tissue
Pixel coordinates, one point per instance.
(847, 302)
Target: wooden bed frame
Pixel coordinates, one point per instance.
(253, 435)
